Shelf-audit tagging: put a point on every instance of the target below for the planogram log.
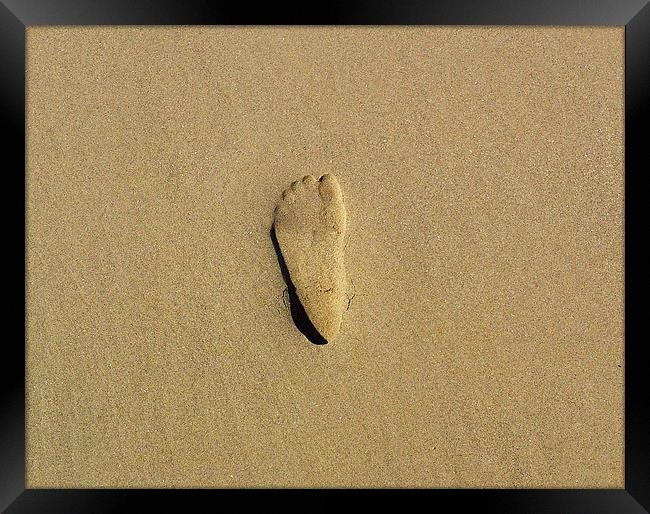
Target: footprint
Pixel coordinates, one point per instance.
(309, 224)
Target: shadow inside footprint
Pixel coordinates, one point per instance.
(298, 314)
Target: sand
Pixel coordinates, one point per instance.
(483, 177)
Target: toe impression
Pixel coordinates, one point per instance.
(329, 188)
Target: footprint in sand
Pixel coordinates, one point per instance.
(309, 224)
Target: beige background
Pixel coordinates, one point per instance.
(483, 174)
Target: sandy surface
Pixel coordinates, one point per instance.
(482, 171)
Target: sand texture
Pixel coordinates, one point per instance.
(482, 173)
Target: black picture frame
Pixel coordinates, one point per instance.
(17, 15)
